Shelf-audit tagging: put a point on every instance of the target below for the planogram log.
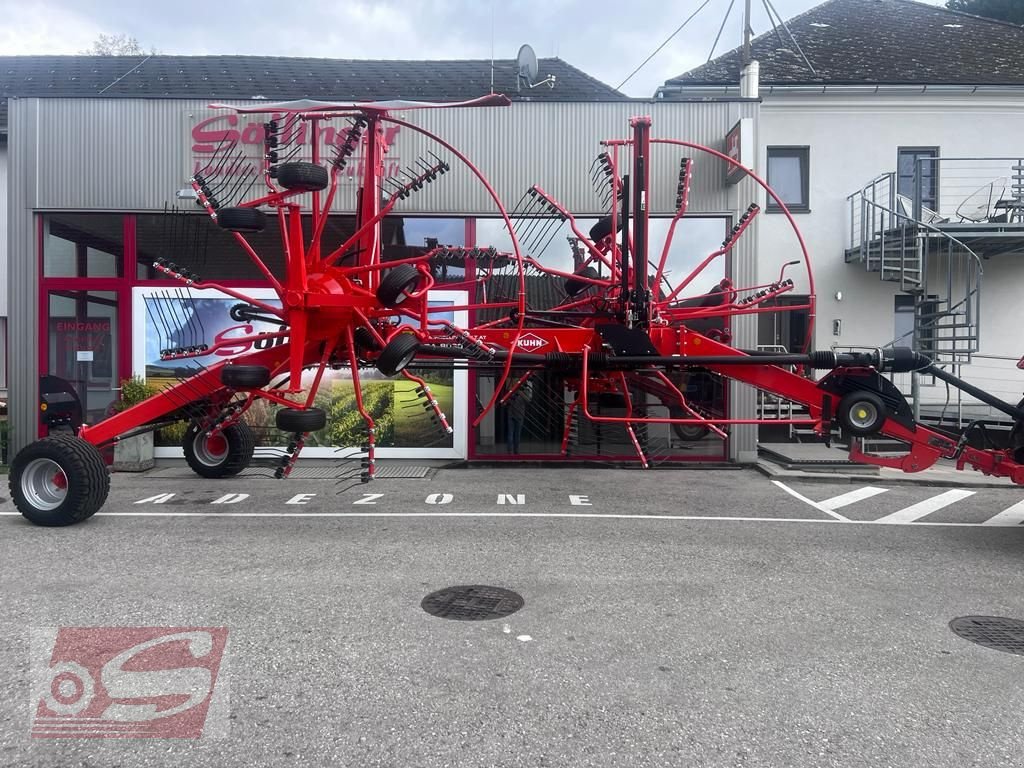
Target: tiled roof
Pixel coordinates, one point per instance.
(878, 42)
(275, 78)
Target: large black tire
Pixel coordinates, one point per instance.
(245, 376)
(242, 219)
(301, 420)
(59, 480)
(574, 286)
(862, 413)
(397, 354)
(603, 228)
(224, 455)
(397, 284)
(308, 177)
(687, 433)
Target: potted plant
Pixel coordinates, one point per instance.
(135, 453)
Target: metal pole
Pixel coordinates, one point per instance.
(746, 34)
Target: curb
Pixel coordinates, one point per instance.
(778, 473)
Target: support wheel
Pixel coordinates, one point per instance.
(398, 284)
(862, 413)
(603, 228)
(301, 419)
(245, 376)
(242, 219)
(687, 433)
(397, 354)
(307, 177)
(223, 454)
(59, 480)
(574, 286)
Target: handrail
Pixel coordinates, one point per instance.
(931, 227)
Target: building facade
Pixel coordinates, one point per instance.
(92, 182)
(894, 131)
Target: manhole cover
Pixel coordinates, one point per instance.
(995, 632)
(472, 603)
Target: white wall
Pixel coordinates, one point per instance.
(854, 139)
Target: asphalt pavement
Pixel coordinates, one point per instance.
(670, 618)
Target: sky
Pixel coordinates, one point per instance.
(608, 40)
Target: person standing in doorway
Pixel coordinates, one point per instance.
(516, 406)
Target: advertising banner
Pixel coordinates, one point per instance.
(179, 318)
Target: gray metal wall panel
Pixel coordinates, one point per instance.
(3, 228)
(132, 154)
(22, 287)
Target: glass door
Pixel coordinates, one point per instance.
(83, 343)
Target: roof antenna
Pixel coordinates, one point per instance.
(492, 46)
(771, 9)
(747, 32)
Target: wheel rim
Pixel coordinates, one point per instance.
(407, 290)
(210, 451)
(406, 359)
(44, 484)
(863, 415)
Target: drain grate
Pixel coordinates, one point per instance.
(472, 603)
(995, 632)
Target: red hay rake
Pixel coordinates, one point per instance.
(623, 329)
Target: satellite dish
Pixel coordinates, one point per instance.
(526, 64)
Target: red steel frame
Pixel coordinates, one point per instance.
(323, 303)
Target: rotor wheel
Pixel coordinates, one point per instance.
(59, 480)
(862, 413)
(397, 354)
(242, 219)
(397, 284)
(307, 177)
(223, 454)
(301, 419)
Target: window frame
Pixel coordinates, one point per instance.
(926, 151)
(803, 153)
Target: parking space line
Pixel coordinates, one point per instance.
(845, 499)
(926, 507)
(1010, 516)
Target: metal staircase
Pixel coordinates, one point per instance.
(939, 270)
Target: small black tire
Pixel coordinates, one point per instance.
(306, 177)
(224, 455)
(242, 219)
(365, 340)
(574, 286)
(245, 376)
(397, 354)
(687, 433)
(603, 228)
(301, 419)
(59, 480)
(862, 413)
(397, 284)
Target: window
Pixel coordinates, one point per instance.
(914, 161)
(789, 175)
(83, 245)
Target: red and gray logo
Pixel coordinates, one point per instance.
(529, 341)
